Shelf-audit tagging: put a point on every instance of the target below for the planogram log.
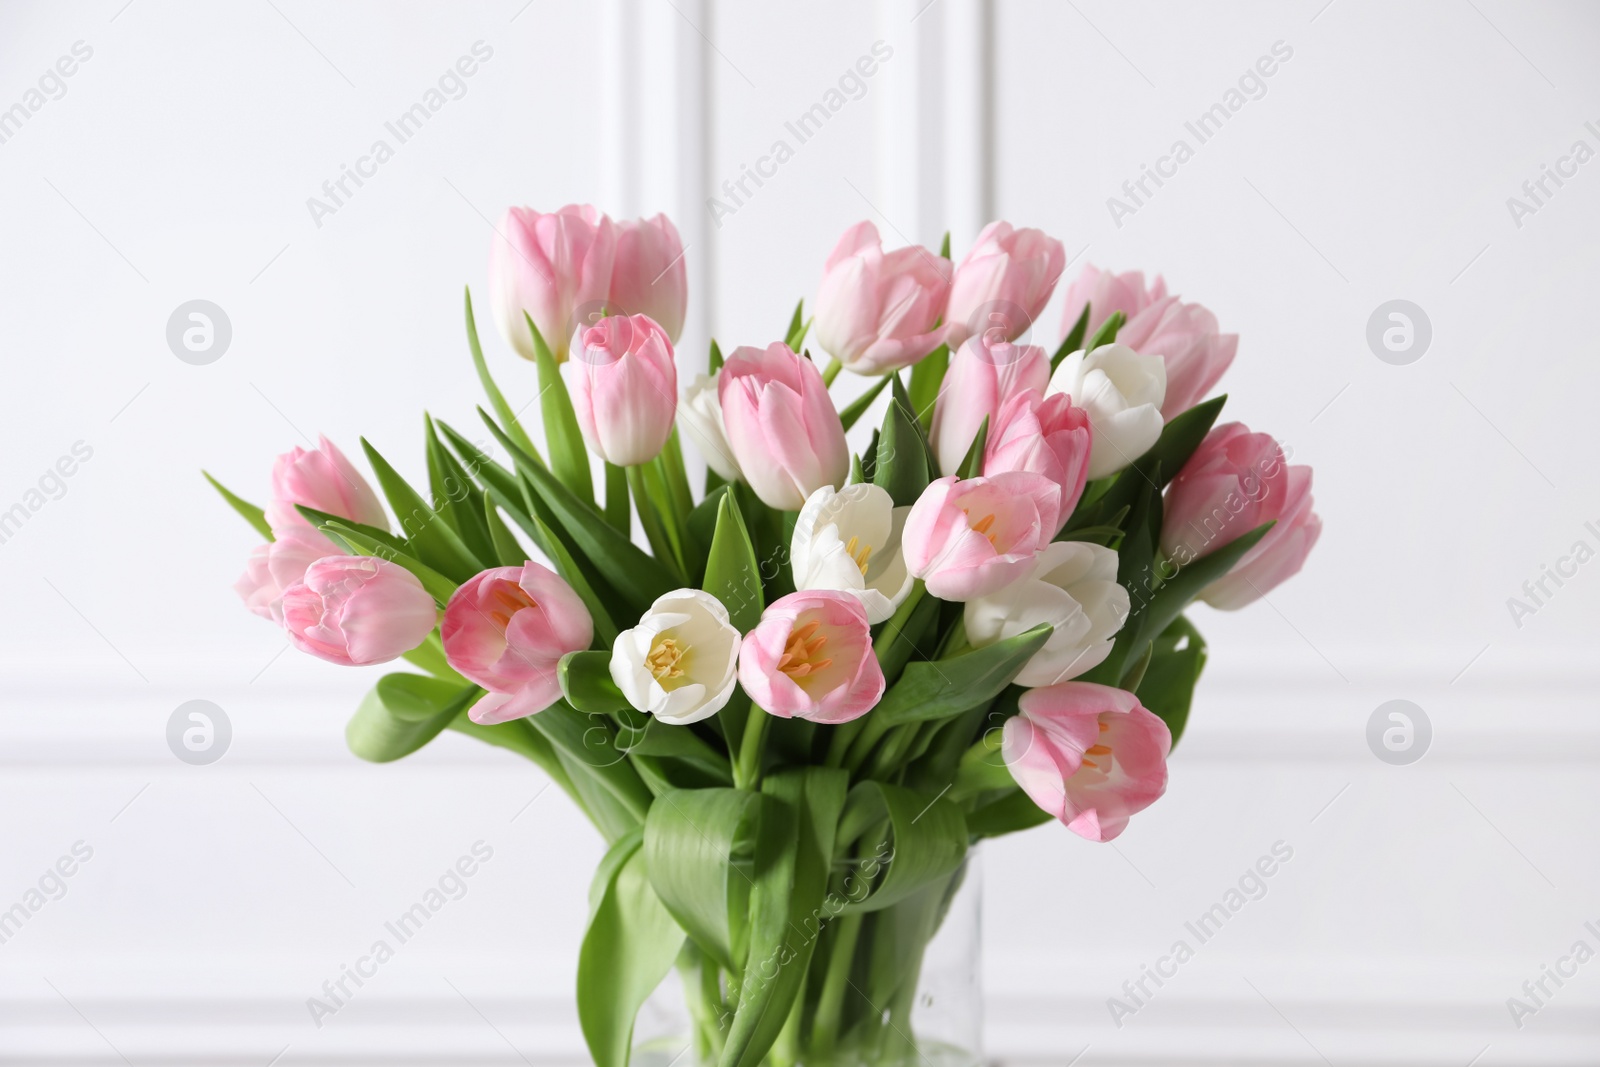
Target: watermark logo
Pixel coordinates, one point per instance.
(199, 732)
(1399, 332)
(1399, 732)
(199, 332)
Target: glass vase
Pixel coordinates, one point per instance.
(893, 987)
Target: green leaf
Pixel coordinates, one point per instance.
(972, 462)
(944, 246)
(1107, 333)
(907, 631)
(586, 683)
(938, 689)
(927, 378)
(1181, 436)
(252, 514)
(1179, 590)
(569, 458)
(497, 400)
(699, 849)
(713, 359)
(928, 834)
(589, 743)
(619, 511)
(507, 552)
(458, 499)
(1178, 657)
(631, 944)
(794, 856)
(1007, 815)
(901, 466)
(796, 332)
(359, 543)
(1074, 339)
(683, 745)
(428, 537)
(733, 574)
(858, 407)
(393, 720)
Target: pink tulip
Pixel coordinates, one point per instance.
(624, 387)
(981, 379)
(967, 539)
(357, 610)
(556, 268)
(507, 629)
(811, 657)
(1186, 336)
(1003, 283)
(782, 426)
(879, 311)
(275, 566)
(1235, 481)
(1046, 436)
(1088, 754)
(649, 277)
(320, 478)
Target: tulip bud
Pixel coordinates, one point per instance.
(357, 610)
(507, 629)
(277, 565)
(1122, 392)
(982, 377)
(1045, 435)
(1002, 284)
(649, 276)
(624, 387)
(967, 539)
(876, 311)
(1236, 481)
(320, 478)
(811, 657)
(783, 427)
(554, 268)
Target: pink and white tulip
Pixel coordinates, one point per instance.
(1003, 283)
(624, 386)
(967, 539)
(1044, 435)
(1090, 755)
(649, 276)
(277, 565)
(507, 629)
(357, 610)
(811, 657)
(879, 311)
(982, 377)
(782, 425)
(1235, 481)
(553, 268)
(323, 479)
(1185, 336)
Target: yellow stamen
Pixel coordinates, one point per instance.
(666, 661)
(800, 652)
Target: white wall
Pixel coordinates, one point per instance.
(1376, 166)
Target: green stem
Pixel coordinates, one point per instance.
(650, 518)
(747, 772)
(831, 371)
(617, 513)
(830, 1001)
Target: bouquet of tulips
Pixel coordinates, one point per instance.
(833, 671)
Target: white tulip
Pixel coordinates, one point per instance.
(849, 540)
(1122, 391)
(678, 664)
(700, 415)
(1073, 587)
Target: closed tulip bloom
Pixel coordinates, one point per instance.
(810, 657)
(357, 610)
(1044, 435)
(624, 387)
(1090, 755)
(879, 311)
(507, 629)
(551, 268)
(967, 539)
(649, 276)
(1122, 392)
(700, 415)
(849, 540)
(782, 425)
(1235, 481)
(1185, 336)
(276, 565)
(323, 479)
(1073, 587)
(678, 663)
(982, 377)
(1003, 283)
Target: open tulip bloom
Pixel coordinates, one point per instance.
(855, 641)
